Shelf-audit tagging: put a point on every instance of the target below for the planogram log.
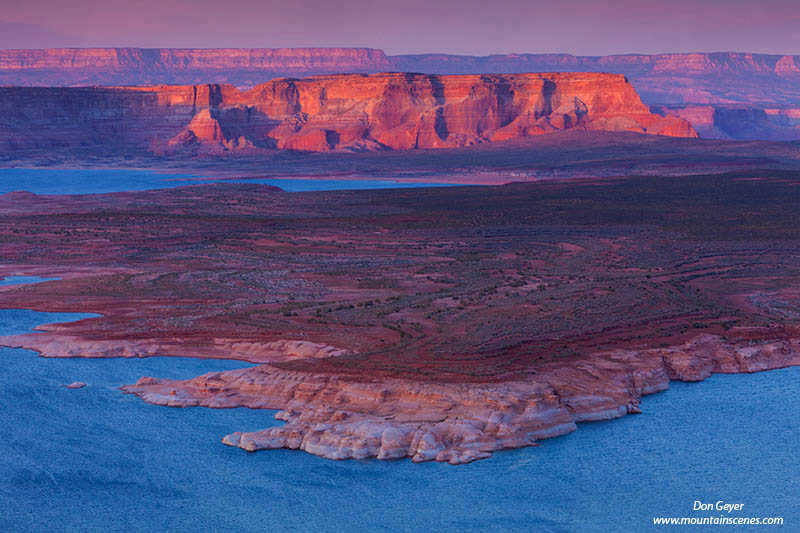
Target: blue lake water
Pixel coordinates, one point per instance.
(21, 280)
(94, 458)
(78, 181)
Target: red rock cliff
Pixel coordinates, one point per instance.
(707, 78)
(356, 112)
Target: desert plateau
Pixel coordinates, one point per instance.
(380, 266)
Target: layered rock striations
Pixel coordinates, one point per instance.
(355, 112)
(338, 418)
(726, 95)
(687, 78)
(141, 66)
(635, 64)
(675, 79)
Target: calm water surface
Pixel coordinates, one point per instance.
(77, 181)
(22, 280)
(96, 459)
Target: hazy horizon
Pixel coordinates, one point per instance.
(390, 54)
(468, 27)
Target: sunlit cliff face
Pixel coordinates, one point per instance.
(356, 112)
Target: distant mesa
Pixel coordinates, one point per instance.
(677, 84)
(353, 112)
(673, 79)
(56, 67)
(661, 79)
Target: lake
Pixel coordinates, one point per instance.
(93, 181)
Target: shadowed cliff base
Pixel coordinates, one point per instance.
(726, 121)
(436, 324)
(558, 155)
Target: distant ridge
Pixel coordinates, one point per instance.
(661, 79)
(700, 78)
(177, 66)
(726, 95)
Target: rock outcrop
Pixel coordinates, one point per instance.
(350, 112)
(58, 345)
(339, 418)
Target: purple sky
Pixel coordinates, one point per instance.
(480, 27)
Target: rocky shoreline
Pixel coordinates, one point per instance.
(338, 418)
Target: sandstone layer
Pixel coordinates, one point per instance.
(342, 112)
(338, 418)
(54, 343)
(683, 78)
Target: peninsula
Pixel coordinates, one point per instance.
(437, 324)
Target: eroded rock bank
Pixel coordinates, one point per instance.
(55, 344)
(339, 418)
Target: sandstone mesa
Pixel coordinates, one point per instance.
(726, 95)
(338, 112)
